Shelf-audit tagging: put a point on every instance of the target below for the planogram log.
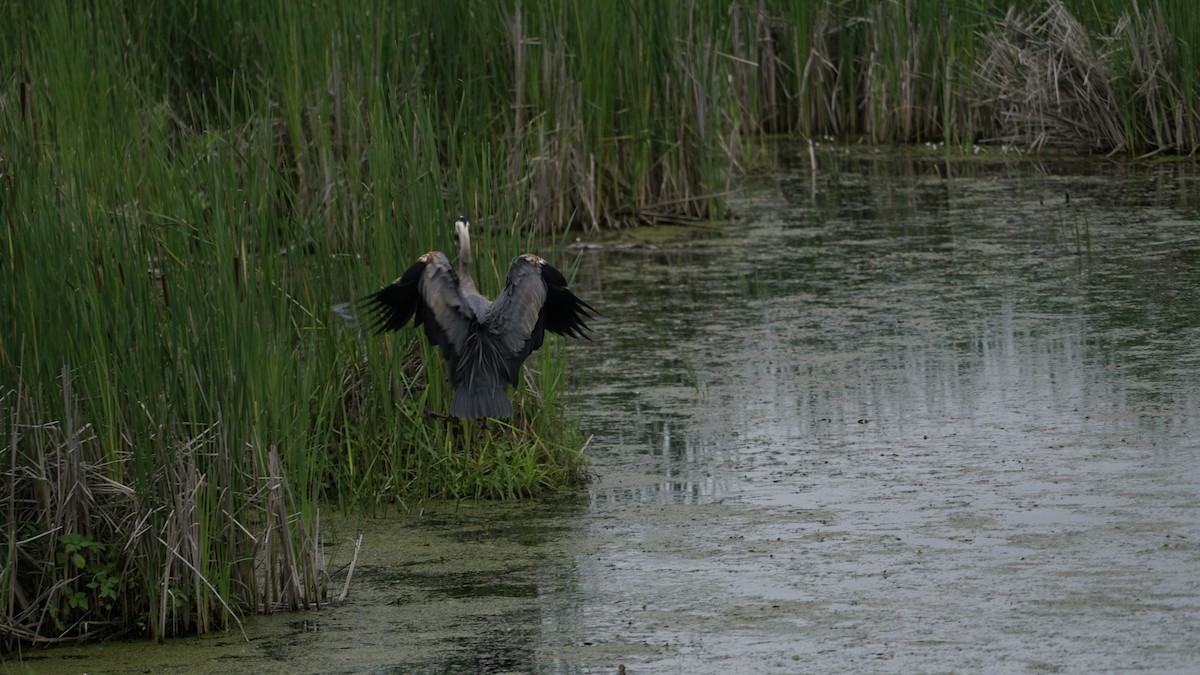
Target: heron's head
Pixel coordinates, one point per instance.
(462, 235)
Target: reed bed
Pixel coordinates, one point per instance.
(186, 188)
(1094, 76)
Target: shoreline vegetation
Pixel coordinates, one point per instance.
(187, 187)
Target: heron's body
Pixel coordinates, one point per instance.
(485, 342)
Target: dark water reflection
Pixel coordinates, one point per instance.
(912, 415)
(901, 297)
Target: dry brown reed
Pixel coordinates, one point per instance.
(79, 542)
(1093, 77)
(1045, 83)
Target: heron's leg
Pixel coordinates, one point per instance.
(482, 429)
(465, 433)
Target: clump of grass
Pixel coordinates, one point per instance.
(1047, 83)
(397, 445)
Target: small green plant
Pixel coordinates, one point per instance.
(86, 560)
(1082, 231)
(76, 548)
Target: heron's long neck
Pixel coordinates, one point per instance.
(465, 282)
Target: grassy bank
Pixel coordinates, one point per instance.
(186, 187)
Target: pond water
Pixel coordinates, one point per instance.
(908, 415)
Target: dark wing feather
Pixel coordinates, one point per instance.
(390, 308)
(565, 313)
(535, 299)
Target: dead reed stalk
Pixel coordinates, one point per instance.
(1045, 83)
(91, 550)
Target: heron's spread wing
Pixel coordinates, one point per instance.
(535, 299)
(428, 293)
(444, 312)
(515, 319)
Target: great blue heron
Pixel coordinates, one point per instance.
(484, 342)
